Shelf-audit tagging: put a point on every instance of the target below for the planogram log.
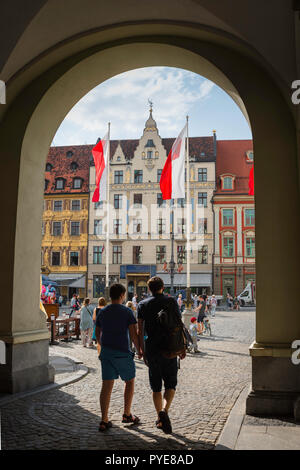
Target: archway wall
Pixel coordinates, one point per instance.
(31, 122)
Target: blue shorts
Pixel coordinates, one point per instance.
(115, 364)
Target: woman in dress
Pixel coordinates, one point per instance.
(86, 324)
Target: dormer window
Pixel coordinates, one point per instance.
(227, 182)
(49, 167)
(250, 156)
(46, 185)
(118, 159)
(77, 183)
(69, 153)
(74, 166)
(60, 183)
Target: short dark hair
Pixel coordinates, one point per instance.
(155, 284)
(116, 290)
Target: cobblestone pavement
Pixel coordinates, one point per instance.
(208, 386)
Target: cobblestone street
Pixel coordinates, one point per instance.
(208, 386)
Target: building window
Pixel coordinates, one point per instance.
(74, 258)
(75, 228)
(250, 156)
(202, 199)
(227, 217)
(161, 226)
(74, 166)
(60, 183)
(160, 201)
(46, 185)
(181, 254)
(161, 254)
(118, 178)
(137, 254)
(117, 226)
(202, 174)
(202, 224)
(57, 206)
(180, 202)
(98, 227)
(76, 205)
(69, 153)
(250, 247)
(43, 228)
(149, 154)
(228, 247)
(137, 200)
(99, 205)
(97, 254)
(203, 255)
(77, 183)
(137, 225)
(117, 254)
(249, 217)
(56, 229)
(55, 258)
(138, 176)
(150, 143)
(181, 226)
(159, 172)
(227, 182)
(118, 201)
(49, 167)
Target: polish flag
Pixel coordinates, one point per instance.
(172, 176)
(100, 154)
(251, 182)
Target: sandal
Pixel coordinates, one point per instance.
(165, 422)
(130, 419)
(104, 425)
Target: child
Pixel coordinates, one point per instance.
(193, 333)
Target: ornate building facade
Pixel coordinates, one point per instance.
(234, 212)
(65, 219)
(140, 221)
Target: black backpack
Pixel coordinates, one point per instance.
(173, 339)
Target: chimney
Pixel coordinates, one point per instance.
(215, 143)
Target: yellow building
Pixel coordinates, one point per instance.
(65, 219)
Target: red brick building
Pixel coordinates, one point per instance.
(234, 216)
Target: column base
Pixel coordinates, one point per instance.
(27, 367)
(275, 383)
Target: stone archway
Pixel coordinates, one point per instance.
(36, 110)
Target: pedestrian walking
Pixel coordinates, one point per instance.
(163, 368)
(75, 305)
(115, 327)
(201, 310)
(213, 305)
(180, 303)
(134, 301)
(86, 324)
(193, 332)
(60, 300)
(101, 305)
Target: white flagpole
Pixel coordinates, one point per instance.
(188, 231)
(107, 214)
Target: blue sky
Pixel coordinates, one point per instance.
(123, 100)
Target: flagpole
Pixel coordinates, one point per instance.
(108, 218)
(188, 231)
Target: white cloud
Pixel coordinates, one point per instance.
(123, 100)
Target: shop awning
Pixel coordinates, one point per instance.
(197, 279)
(69, 280)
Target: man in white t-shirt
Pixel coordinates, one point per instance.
(213, 304)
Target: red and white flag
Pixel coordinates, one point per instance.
(172, 176)
(100, 154)
(251, 182)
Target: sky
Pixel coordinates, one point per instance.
(175, 93)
